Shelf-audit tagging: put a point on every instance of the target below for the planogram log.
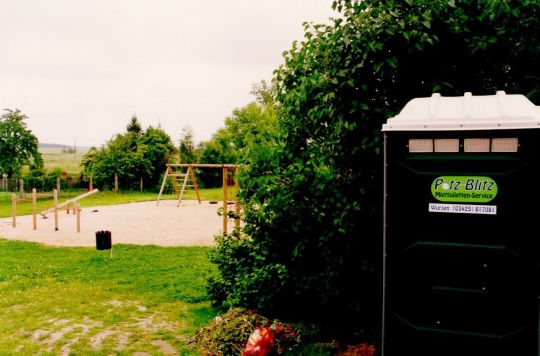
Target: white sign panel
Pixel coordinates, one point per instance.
(463, 209)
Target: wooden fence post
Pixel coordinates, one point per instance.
(14, 209)
(55, 196)
(141, 185)
(4, 181)
(115, 183)
(78, 207)
(91, 185)
(237, 200)
(34, 209)
(58, 185)
(21, 188)
(225, 217)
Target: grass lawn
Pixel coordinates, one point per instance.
(101, 198)
(63, 300)
(76, 300)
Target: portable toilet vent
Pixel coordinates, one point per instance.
(462, 227)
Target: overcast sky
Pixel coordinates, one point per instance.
(80, 69)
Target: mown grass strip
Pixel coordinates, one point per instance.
(77, 299)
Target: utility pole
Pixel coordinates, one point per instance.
(75, 149)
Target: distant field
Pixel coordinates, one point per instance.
(69, 162)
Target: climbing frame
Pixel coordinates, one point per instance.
(181, 173)
(182, 178)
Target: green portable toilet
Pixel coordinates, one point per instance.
(462, 227)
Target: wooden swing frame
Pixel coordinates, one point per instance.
(189, 174)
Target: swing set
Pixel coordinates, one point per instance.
(182, 177)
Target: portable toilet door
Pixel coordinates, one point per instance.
(462, 227)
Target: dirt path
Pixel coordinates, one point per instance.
(191, 224)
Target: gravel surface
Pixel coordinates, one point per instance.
(191, 224)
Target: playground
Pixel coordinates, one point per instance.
(179, 222)
(143, 223)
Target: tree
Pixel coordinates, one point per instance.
(134, 127)
(18, 146)
(187, 148)
(253, 125)
(249, 129)
(263, 94)
(313, 205)
(160, 150)
(130, 156)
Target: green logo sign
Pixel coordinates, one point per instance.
(464, 189)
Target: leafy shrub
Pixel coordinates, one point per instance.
(130, 156)
(237, 279)
(313, 205)
(247, 128)
(43, 180)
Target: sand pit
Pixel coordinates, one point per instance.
(191, 224)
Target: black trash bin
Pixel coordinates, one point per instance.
(103, 240)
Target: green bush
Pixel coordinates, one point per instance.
(130, 156)
(313, 204)
(246, 129)
(43, 180)
(236, 283)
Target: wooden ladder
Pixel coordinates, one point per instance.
(189, 175)
(183, 178)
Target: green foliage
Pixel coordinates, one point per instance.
(134, 127)
(238, 283)
(122, 156)
(131, 156)
(159, 150)
(246, 129)
(313, 205)
(249, 129)
(41, 179)
(188, 152)
(18, 145)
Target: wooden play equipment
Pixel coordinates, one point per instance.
(180, 174)
(70, 202)
(67, 203)
(14, 200)
(54, 209)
